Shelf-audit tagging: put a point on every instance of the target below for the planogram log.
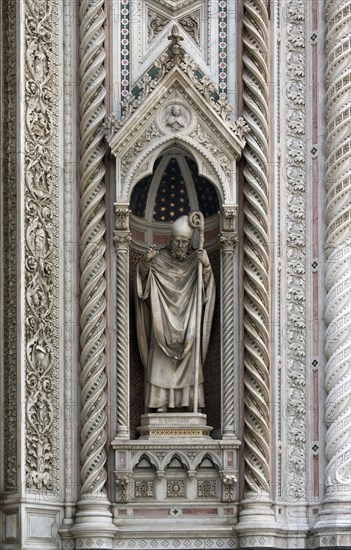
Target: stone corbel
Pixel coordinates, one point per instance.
(122, 483)
(229, 482)
(121, 237)
(228, 240)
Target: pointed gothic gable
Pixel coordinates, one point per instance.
(179, 106)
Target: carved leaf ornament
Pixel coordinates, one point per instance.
(41, 237)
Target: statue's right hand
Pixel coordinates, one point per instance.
(151, 253)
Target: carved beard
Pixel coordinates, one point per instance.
(179, 254)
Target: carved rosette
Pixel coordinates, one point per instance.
(9, 199)
(256, 262)
(338, 252)
(228, 242)
(122, 241)
(41, 243)
(92, 261)
(296, 250)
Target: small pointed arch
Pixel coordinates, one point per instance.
(177, 457)
(207, 460)
(144, 461)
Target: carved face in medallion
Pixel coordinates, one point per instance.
(175, 118)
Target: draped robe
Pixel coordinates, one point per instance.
(166, 296)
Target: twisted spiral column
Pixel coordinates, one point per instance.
(338, 251)
(228, 242)
(92, 261)
(256, 262)
(122, 239)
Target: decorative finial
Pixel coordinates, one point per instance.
(175, 38)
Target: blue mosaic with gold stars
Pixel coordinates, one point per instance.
(172, 198)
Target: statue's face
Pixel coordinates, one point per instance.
(175, 110)
(180, 247)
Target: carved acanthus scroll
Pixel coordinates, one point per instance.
(41, 244)
(191, 25)
(156, 22)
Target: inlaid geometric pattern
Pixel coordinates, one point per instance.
(124, 47)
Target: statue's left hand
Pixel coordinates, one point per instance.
(203, 257)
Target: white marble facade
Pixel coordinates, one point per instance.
(96, 97)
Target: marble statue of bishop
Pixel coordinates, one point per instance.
(167, 324)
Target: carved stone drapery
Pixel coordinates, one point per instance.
(92, 244)
(228, 242)
(338, 253)
(122, 239)
(41, 247)
(256, 262)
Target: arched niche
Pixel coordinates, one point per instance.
(133, 235)
(142, 136)
(173, 189)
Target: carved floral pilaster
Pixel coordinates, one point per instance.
(41, 173)
(9, 201)
(295, 167)
(122, 242)
(338, 253)
(228, 242)
(256, 261)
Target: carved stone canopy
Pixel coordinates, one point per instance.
(176, 112)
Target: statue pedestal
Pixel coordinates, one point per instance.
(175, 425)
(175, 482)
